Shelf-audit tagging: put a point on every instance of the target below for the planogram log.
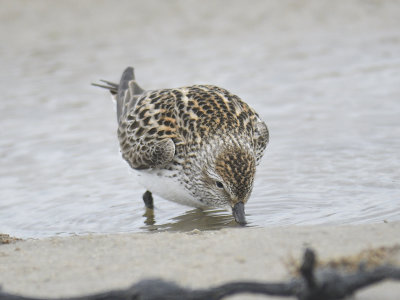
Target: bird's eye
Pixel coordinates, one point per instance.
(219, 184)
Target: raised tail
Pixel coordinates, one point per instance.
(125, 93)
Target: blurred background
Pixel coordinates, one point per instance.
(324, 75)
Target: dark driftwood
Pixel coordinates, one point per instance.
(314, 284)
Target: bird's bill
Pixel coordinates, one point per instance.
(238, 213)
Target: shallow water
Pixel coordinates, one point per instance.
(324, 76)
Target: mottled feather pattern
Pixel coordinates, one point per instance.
(187, 116)
(200, 143)
(241, 171)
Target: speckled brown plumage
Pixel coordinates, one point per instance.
(201, 137)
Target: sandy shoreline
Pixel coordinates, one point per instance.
(78, 265)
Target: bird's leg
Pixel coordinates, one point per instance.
(148, 200)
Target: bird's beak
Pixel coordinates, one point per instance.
(238, 213)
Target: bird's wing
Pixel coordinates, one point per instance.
(142, 154)
(261, 139)
(144, 143)
(128, 92)
(147, 131)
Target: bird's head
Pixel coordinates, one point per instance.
(228, 179)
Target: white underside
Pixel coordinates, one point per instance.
(165, 187)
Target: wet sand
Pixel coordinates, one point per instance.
(76, 265)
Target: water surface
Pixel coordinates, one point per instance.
(325, 77)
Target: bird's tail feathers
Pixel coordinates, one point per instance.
(111, 86)
(126, 92)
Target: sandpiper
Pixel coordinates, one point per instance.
(197, 145)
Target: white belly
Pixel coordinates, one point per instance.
(166, 187)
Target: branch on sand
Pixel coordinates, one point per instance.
(312, 284)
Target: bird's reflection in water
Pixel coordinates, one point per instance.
(150, 220)
(197, 218)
